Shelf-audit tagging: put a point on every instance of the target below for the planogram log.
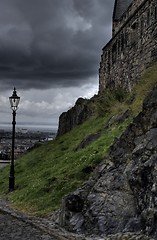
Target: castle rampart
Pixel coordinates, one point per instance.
(118, 19)
(132, 48)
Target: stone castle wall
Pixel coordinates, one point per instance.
(118, 23)
(133, 47)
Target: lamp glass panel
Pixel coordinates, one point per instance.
(14, 102)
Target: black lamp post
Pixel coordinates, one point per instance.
(14, 101)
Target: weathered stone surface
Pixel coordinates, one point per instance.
(123, 11)
(88, 140)
(133, 47)
(73, 117)
(74, 203)
(121, 196)
(17, 225)
(12, 228)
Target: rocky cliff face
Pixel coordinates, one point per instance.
(73, 117)
(121, 195)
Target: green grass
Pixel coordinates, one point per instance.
(143, 88)
(46, 174)
(49, 172)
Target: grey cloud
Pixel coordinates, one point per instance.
(50, 43)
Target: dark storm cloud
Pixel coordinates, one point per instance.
(45, 43)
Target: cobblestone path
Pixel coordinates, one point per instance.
(18, 226)
(15, 229)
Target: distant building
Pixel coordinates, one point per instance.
(22, 130)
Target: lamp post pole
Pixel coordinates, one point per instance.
(12, 177)
(14, 101)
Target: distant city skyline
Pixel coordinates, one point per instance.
(50, 51)
(20, 126)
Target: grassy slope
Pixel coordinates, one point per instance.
(47, 173)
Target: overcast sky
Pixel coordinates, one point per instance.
(50, 51)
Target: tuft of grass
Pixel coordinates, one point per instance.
(145, 85)
(47, 173)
